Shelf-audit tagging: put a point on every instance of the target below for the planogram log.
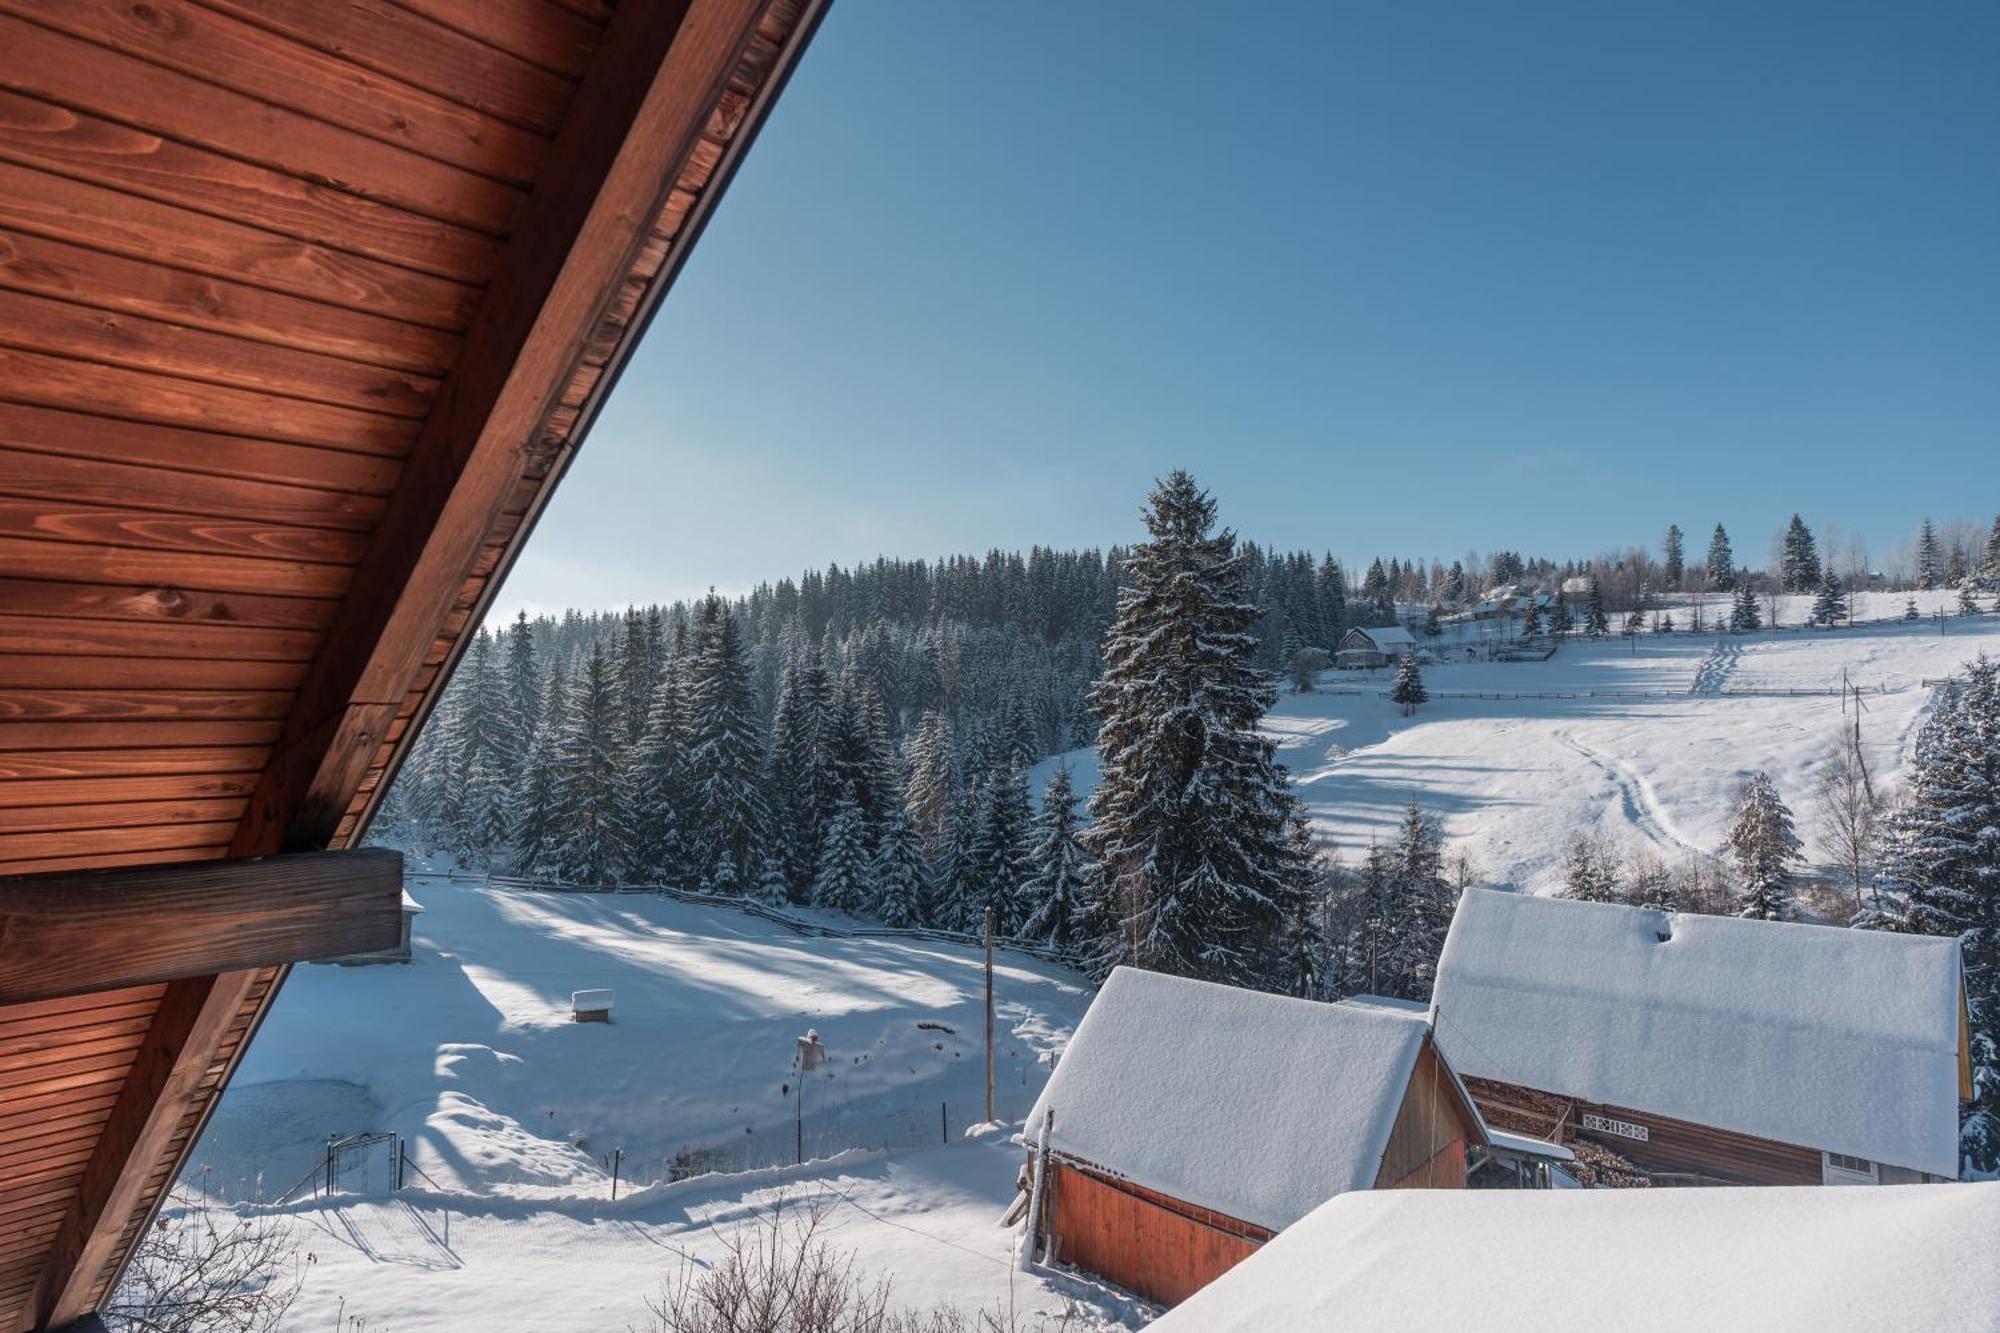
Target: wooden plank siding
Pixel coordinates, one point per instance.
(1150, 1243)
(1433, 1128)
(1689, 1152)
(248, 251)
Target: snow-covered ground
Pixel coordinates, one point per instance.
(1510, 777)
(511, 1111)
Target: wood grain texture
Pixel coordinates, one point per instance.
(48, 203)
(234, 54)
(178, 568)
(304, 553)
(1147, 1242)
(95, 930)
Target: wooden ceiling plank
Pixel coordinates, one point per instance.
(59, 794)
(193, 1016)
(61, 704)
(39, 670)
(105, 281)
(235, 54)
(418, 52)
(30, 558)
(205, 642)
(554, 38)
(80, 1004)
(126, 814)
(117, 601)
(82, 735)
(153, 108)
(109, 860)
(136, 342)
(186, 465)
(85, 386)
(17, 1022)
(133, 763)
(71, 932)
(636, 118)
(16, 847)
(49, 204)
(249, 545)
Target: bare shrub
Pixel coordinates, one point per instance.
(777, 1275)
(1849, 815)
(200, 1269)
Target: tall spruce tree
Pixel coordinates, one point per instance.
(1407, 691)
(1596, 624)
(1930, 560)
(899, 881)
(1720, 566)
(1941, 873)
(593, 845)
(1765, 848)
(1829, 606)
(725, 756)
(1055, 893)
(1673, 569)
(537, 795)
(1799, 569)
(1744, 616)
(1002, 845)
(842, 882)
(1193, 811)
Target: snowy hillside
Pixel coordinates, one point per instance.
(511, 1111)
(1509, 777)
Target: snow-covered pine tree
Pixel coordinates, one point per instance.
(523, 685)
(1765, 848)
(1968, 603)
(658, 787)
(1559, 619)
(1673, 568)
(1941, 873)
(632, 678)
(590, 795)
(1587, 872)
(842, 883)
(1799, 571)
(1002, 847)
(1418, 908)
(537, 794)
(1829, 607)
(1596, 623)
(1720, 567)
(1910, 609)
(1743, 613)
(1332, 589)
(899, 879)
(1407, 690)
(725, 754)
(1930, 560)
(794, 783)
(1988, 572)
(1531, 621)
(933, 780)
(1635, 620)
(1054, 895)
(1193, 811)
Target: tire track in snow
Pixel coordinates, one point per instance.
(1635, 794)
(1715, 669)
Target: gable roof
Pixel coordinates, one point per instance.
(1842, 1040)
(1258, 1106)
(1389, 638)
(304, 308)
(1800, 1259)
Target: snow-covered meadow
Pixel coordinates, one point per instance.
(1510, 777)
(511, 1111)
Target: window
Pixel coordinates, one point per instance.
(1840, 1169)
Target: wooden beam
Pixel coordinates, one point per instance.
(637, 116)
(187, 1033)
(69, 932)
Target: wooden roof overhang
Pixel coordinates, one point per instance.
(303, 309)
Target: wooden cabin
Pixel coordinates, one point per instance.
(1367, 647)
(1621, 1261)
(1189, 1123)
(1709, 1050)
(304, 308)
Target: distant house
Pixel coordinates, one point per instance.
(1709, 1049)
(1192, 1122)
(1374, 646)
(1629, 1261)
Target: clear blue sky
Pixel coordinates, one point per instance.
(1398, 277)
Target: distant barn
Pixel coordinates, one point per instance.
(1709, 1050)
(1373, 646)
(1192, 1122)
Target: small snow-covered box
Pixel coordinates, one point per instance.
(590, 1006)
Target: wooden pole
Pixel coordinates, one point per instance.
(989, 1015)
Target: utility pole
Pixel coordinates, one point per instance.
(989, 1014)
(617, 1159)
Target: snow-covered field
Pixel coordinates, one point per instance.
(510, 1111)
(1510, 777)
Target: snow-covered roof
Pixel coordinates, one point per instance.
(1842, 1040)
(1779, 1260)
(1389, 638)
(1391, 1004)
(1258, 1106)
